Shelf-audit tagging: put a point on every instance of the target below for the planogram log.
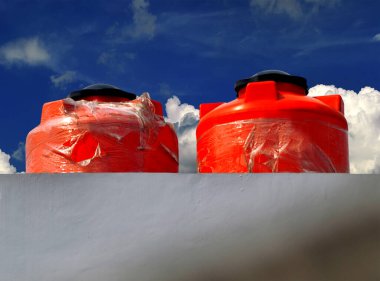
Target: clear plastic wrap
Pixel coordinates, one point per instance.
(273, 145)
(93, 136)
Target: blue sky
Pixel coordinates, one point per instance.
(193, 49)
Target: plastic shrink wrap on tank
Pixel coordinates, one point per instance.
(102, 129)
(273, 127)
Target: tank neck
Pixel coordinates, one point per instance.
(282, 88)
(291, 89)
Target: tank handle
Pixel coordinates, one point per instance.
(333, 101)
(205, 108)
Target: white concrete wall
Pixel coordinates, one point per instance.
(92, 227)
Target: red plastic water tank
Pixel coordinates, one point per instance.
(102, 129)
(273, 126)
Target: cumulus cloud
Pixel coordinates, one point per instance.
(24, 51)
(362, 111)
(295, 9)
(64, 79)
(5, 166)
(185, 120)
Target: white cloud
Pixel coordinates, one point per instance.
(322, 3)
(376, 37)
(30, 51)
(142, 27)
(115, 60)
(362, 112)
(144, 23)
(185, 119)
(292, 8)
(109, 58)
(5, 166)
(19, 153)
(165, 90)
(295, 9)
(62, 80)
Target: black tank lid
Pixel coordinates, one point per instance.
(272, 75)
(101, 90)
